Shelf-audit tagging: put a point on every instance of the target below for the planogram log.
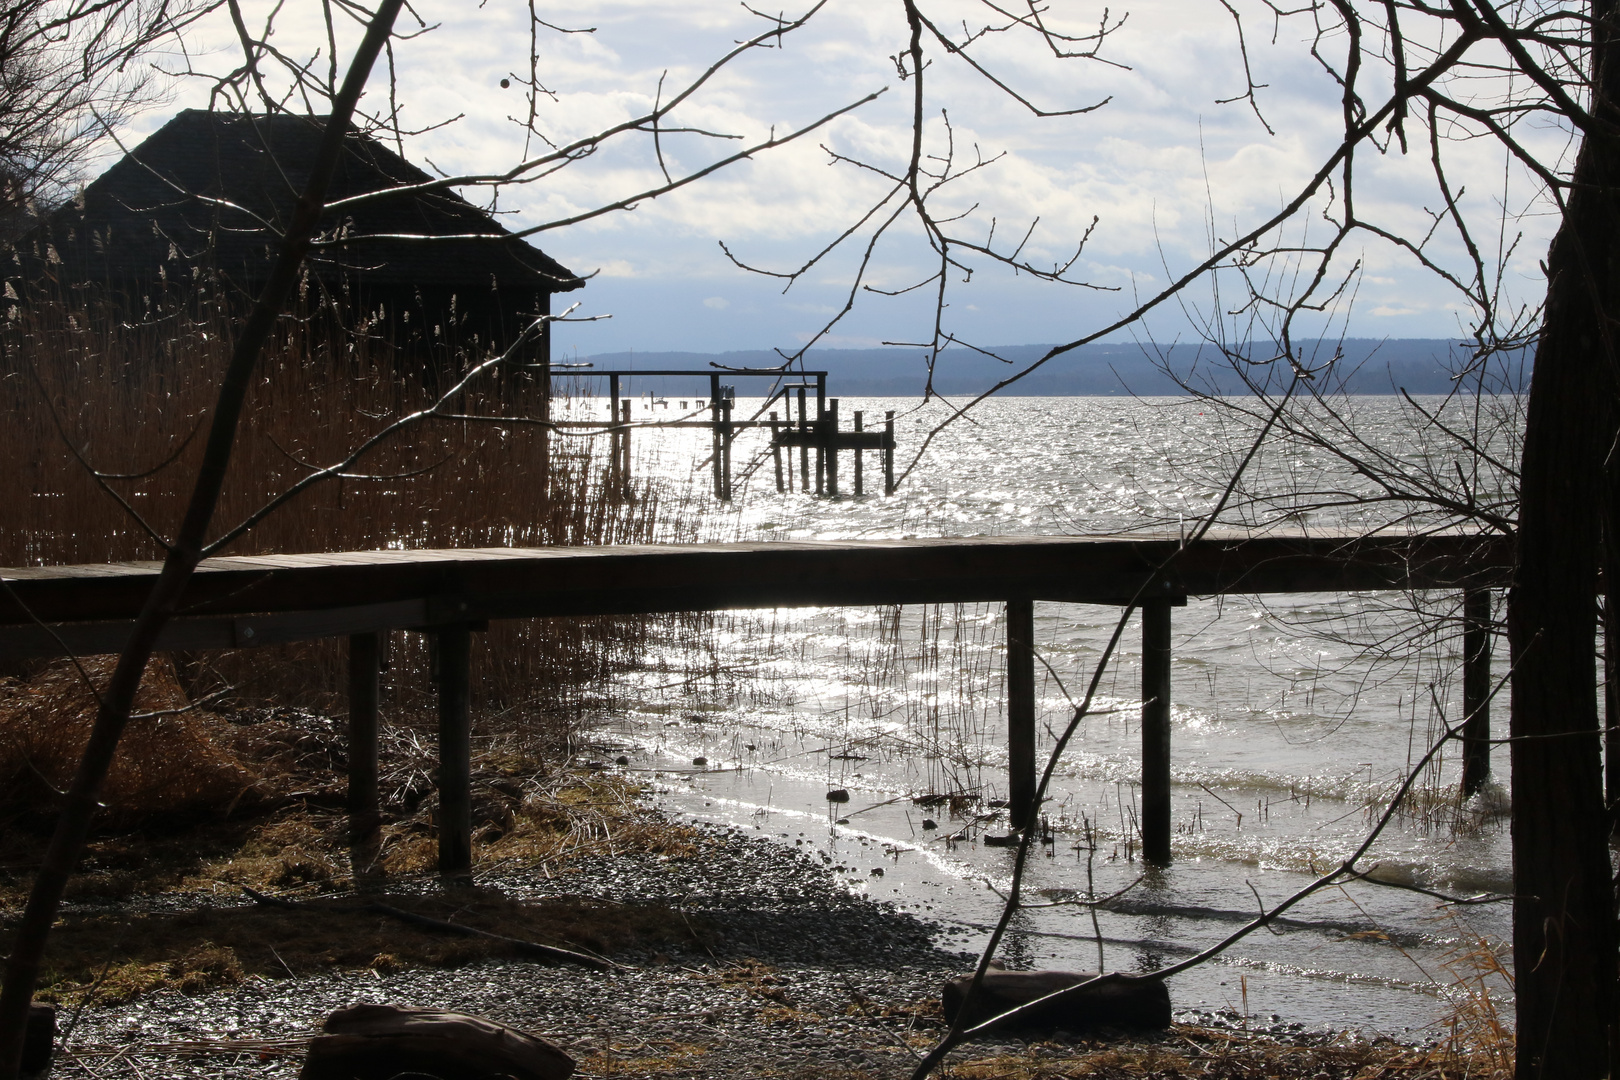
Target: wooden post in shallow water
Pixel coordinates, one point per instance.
(624, 454)
(453, 672)
(1476, 690)
(614, 481)
(776, 455)
(726, 435)
(821, 415)
(365, 655)
(860, 486)
(829, 437)
(888, 452)
(715, 438)
(1021, 713)
(804, 447)
(1156, 731)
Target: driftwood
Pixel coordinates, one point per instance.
(1131, 1004)
(379, 1042)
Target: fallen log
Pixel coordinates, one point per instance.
(380, 1042)
(1115, 1003)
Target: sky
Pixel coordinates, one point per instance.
(1162, 166)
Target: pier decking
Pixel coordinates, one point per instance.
(238, 602)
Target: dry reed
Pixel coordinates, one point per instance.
(86, 385)
(169, 763)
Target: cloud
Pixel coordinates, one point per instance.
(1163, 169)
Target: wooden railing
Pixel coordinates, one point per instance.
(239, 602)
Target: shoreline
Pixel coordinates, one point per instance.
(790, 975)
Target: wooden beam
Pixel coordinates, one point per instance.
(315, 594)
(239, 632)
(1021, 713)
(843, 440)
(1156, 732)
(453, 663)
(700, 373)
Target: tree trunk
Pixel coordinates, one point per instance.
(79, 804)
(1563, 922)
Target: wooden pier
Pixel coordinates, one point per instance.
(238, 602)
(815, 434)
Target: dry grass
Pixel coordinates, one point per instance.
(170, 763)
(200, 806)
(1218, 1054)
(270, 808)
(192, 943)
(1185, 1052)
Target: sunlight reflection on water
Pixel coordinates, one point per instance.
(1288, 732)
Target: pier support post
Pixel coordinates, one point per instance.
(1476, 690)
(1156, 732)
(821, 416)
(829, 440)
(614, 483)
(1021, 713)
(365, 663)
(804, 447)
(714, 437)
(454, 674)
(776, 455)
(729, 436)
(624, 452)
(888, 452)
(860, 487)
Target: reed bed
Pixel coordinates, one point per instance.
(106, 417)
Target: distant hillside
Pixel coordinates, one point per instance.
(1419, 366)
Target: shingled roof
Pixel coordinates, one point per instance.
(152, 211)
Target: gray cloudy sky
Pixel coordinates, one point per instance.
(1160, 166)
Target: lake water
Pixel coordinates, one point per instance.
(1293, 719)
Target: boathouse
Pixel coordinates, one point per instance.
(200, 204)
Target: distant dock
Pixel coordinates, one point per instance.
(816, 435)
